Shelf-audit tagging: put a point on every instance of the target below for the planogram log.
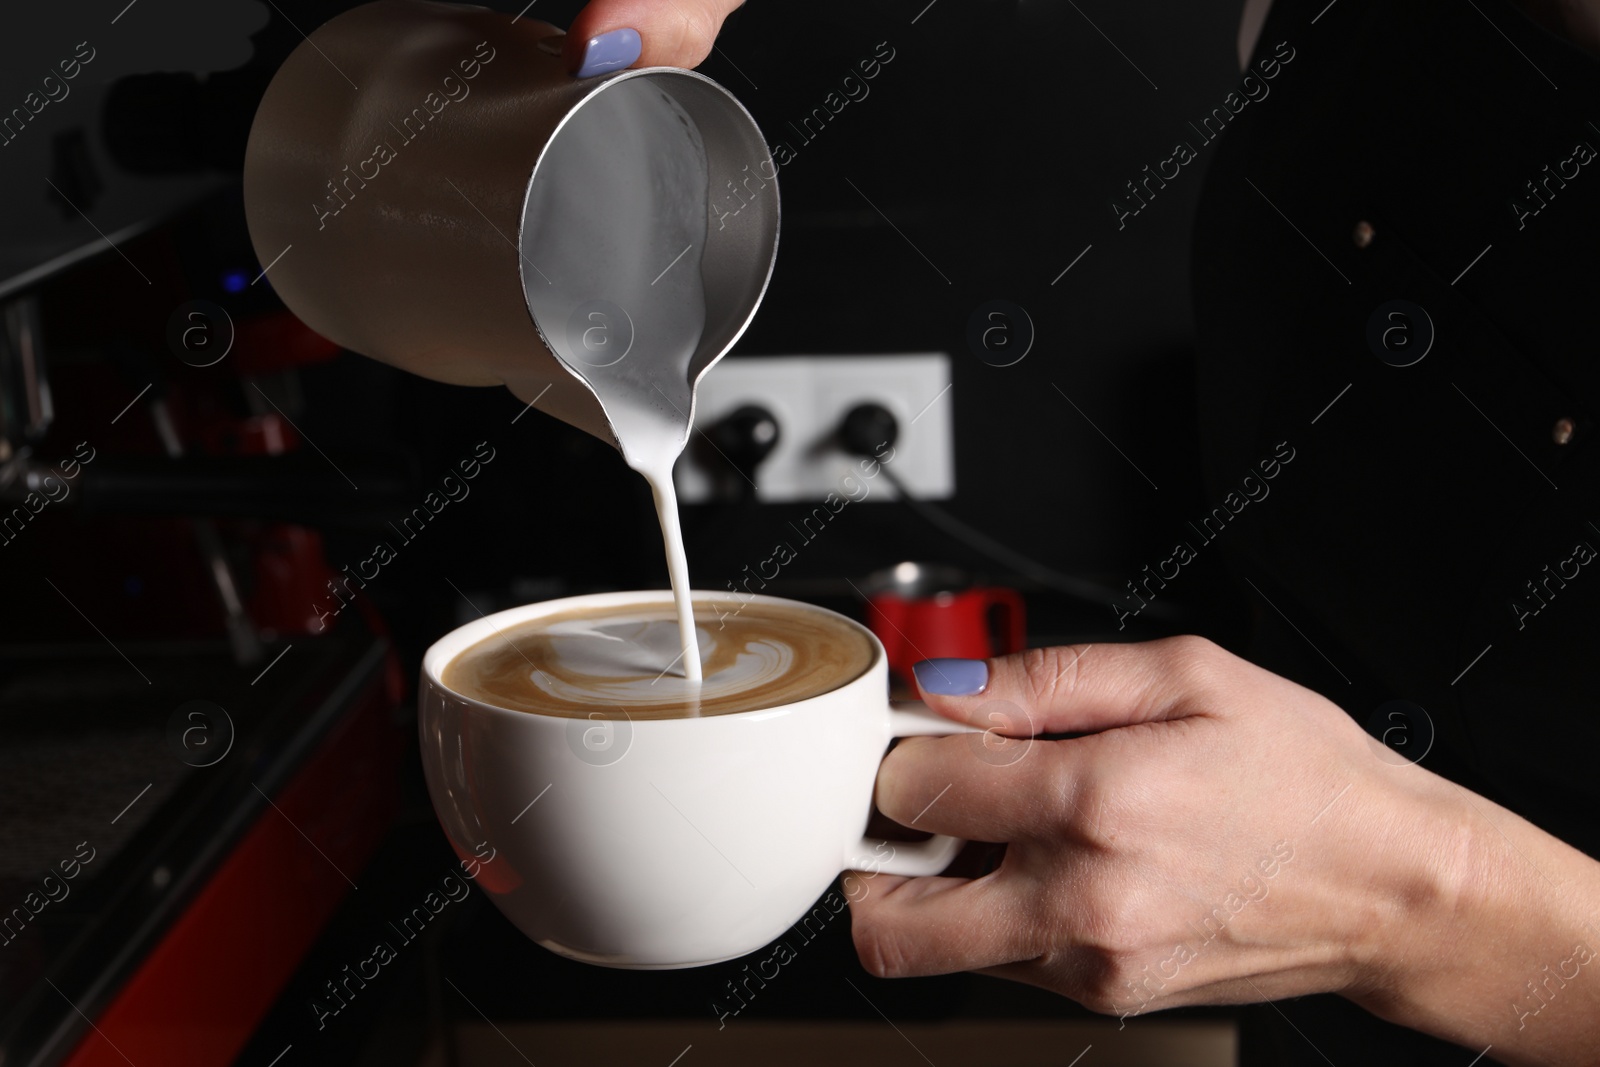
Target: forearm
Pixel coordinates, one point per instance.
(1504, 950)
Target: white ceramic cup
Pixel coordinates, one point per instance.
(665, 843)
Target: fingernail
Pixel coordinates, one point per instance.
(952, 677)
(610, 51)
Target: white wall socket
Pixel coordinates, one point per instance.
(809, 396)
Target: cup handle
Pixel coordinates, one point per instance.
(913, 859)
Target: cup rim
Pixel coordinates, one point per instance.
(454, 642)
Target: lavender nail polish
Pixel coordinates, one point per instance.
(952, 677)
(610, 51)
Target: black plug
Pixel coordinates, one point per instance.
(867, 429)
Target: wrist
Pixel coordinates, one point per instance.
(1489, 923)
(1431, 887)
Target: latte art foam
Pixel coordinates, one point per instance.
(622, 661)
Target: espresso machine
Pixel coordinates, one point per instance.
(176, 728)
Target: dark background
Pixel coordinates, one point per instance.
(994, 143)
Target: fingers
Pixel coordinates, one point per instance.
(999, 786)
(953, 785)
(613, 34)
(920, 926)
(1077, 688)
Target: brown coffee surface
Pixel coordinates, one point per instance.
(624, 661)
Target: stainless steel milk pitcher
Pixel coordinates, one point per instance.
(426, 185)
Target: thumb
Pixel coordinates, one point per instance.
(666, 33)
(1076, 688)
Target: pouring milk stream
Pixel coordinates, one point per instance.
(637, 362)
